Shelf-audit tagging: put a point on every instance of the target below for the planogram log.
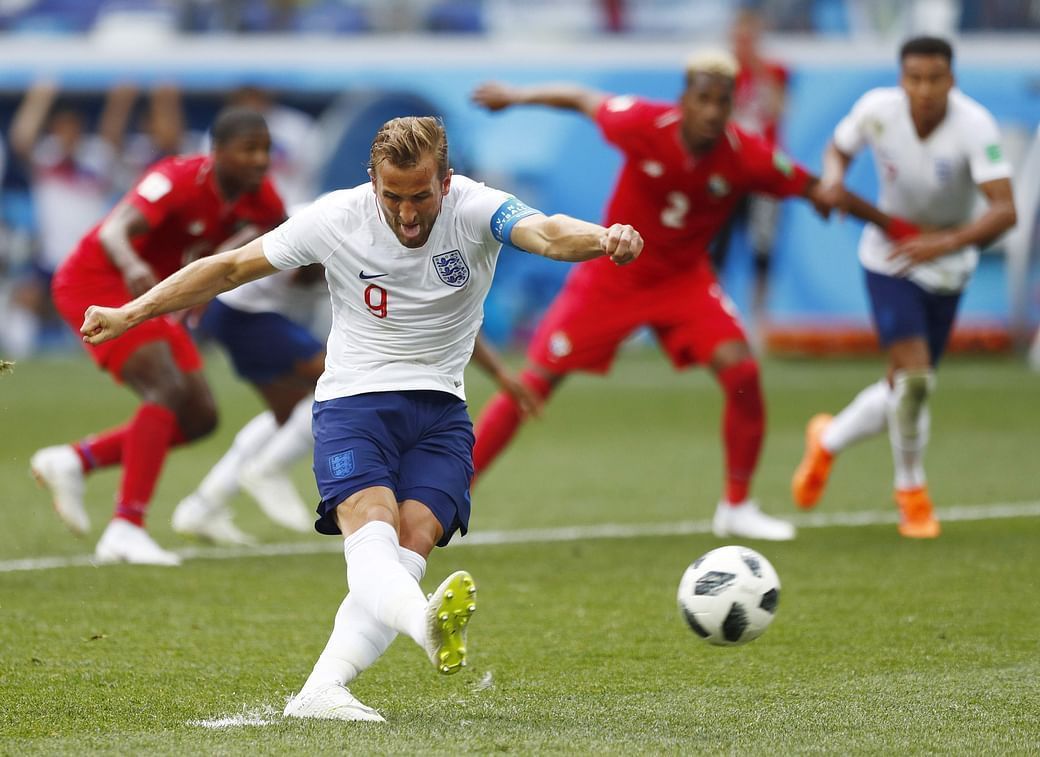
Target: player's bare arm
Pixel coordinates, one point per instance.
(123, 223)
(489, 361)
(831, 190)
(561, 237)
(495, 96)
(849, 202)
(30, 117)
(998, 218)
(194, 284)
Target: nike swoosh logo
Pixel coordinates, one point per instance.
(366, 276)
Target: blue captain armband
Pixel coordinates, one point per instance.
(508, 213)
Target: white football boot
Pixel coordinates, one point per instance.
(277, 497)
(747, 521)
(122, 541)
(447, 614)
(331, 702)
(58, 469)
(197, 517)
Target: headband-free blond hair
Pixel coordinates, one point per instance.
(403, 142)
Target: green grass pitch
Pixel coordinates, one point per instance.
(880, 645)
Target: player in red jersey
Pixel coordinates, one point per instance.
(183, 208)
(685, 169)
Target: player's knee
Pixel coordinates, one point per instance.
(196, 415)
(732, 354)
(419, 536)
(741, 376)
(202, 422)
(376, 503)
(167, 389)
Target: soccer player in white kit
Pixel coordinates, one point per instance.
(263, 326)
(409, 260)
(935, 150)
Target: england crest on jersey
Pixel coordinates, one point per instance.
(451, 268)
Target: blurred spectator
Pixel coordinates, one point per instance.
(759, 95)
(295, 147)
(160, 132)
(71, 175)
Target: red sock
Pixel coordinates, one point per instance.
(743, 426)
(499, 421)
(101, 450)
(106, 448)
(147, 438)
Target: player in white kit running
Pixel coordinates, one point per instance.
(936, 149)
(264, 328)
(409, 260)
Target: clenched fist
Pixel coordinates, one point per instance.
(622, 244)
(101, 324)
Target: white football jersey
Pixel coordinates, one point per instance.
(280, 294)
(931, 182)
(402, 318)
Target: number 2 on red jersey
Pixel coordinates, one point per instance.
(673, 216)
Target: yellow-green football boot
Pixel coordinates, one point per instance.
(447, 614)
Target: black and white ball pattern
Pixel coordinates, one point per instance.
(729, 595)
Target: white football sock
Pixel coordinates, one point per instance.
(909, 426)
(382, 584)
(358, 639)
(291, 442)
(221, 483)
(864, 416)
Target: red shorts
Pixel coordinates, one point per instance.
(590, 318)
(72, 296)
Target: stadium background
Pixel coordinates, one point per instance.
(351, 65)
(580, 534)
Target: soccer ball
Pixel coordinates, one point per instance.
(729, 595)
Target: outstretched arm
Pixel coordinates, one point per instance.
(496, 96)
(29, 119)
(166, 118)
(854, 205)
(194, 284)
(828, 193)
(119, 103)
(561, 237)
(998, 218)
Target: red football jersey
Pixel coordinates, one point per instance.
(678, 202)
(187, 215)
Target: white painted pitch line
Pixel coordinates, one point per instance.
(561, 534)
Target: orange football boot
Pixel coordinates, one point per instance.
(812, 472)
(916, 516)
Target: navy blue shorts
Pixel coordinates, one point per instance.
(263, 346)
(903, 310)
(419, 444)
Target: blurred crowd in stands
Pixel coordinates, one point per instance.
(66, 166)
(840, 17)
(66, 156)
